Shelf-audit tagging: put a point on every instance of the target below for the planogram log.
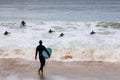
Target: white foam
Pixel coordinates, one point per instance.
(66, 55)
(77, 40)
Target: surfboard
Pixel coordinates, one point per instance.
(44, 53)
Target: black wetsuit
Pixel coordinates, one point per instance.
(23, 23)
(40, 48)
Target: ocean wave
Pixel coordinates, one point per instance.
(10, 25)
(77, 44)
(58, 24)
(114, 25)
(66, 55)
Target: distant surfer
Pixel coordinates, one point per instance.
(6, 33)
(61, 35)
(39, 49)
(23, 23)
(50, 31)
(92, 32)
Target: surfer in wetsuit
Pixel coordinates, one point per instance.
(61, 35)
(50, 31)
(6, 33)
(23, 23)
(92, 32)
(39, 49)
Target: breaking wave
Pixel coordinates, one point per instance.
(66, 55)
(76, 45)
(114, 25)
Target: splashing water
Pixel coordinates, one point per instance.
(76, 45)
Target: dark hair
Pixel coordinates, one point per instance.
(40, 41)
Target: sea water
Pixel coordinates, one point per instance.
(75, 18)
(59, 10)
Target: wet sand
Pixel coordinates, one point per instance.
(20, 69)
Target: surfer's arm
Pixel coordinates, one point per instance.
(36, 53)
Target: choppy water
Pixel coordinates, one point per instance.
(76, 45)
(75, 18)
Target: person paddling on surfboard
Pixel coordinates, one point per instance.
(39, 49)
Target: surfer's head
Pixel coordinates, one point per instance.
(40, 42)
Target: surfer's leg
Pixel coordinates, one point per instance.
(40, 58)
(42, 61)
(42, 65)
